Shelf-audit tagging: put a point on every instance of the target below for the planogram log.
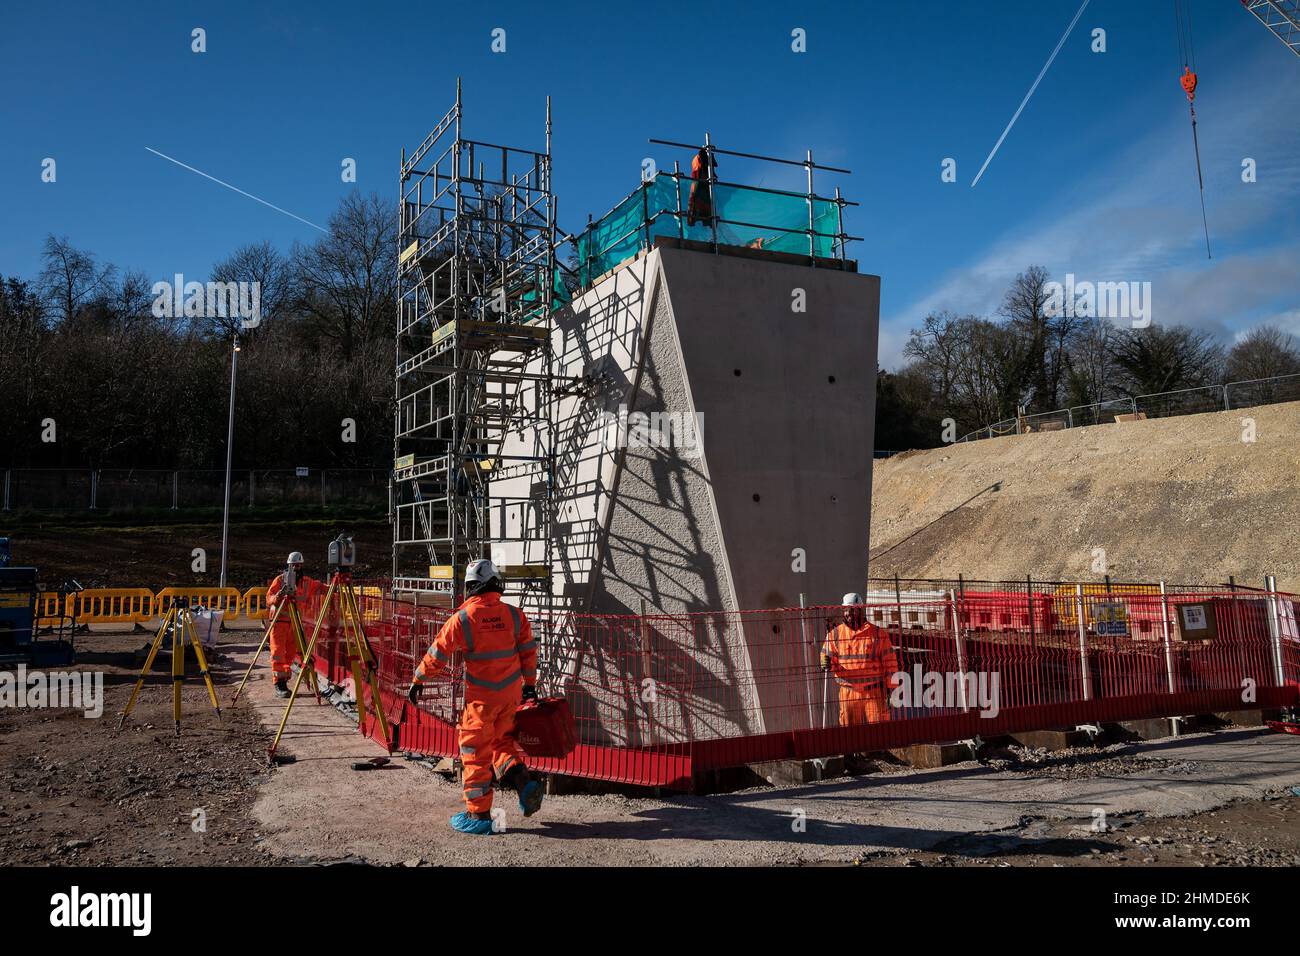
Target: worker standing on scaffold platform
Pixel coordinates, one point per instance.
(699, 207)
(287, 585)
(500, 673)
(863, 662)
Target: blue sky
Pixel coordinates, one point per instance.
(1097, 177)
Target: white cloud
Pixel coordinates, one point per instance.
(1138, 219)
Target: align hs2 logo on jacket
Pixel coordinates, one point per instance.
(76, 909)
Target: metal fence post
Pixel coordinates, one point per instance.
(898, 605)
(839, 222)
(8, 472)
(677, 188)
(1274, 631)
(1029, 604)
(645, 213)
(712, 179)
(176, 490)
(94, 487)
(812, 219)
(1084, 670)
(587, 277)
(961, 651)
(1169, 650)
(646, 671)
(803, 633)
(250, 489)
(1227, 405)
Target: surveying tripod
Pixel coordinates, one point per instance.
(299, 636)
(341, 597)
(180, 622)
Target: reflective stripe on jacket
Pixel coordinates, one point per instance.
(863, 658)
(497, 642)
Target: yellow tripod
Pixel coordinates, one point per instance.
(299, 636)
(342, 597)
(180, 622)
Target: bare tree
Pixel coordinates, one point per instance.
(976, 368)
(1090, 366)
(25, 350)
(71, 278)
(1264, 352)
(1045, 336)
(261, 263)
(935, 347)
(993, 366)
(348, 278)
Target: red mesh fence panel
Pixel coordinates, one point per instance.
(657, 698)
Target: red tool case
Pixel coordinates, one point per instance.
(544, 728)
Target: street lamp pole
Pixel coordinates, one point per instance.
(230, 447)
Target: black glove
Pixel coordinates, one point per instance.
(413, 692)
(826, 662)
(530, 693)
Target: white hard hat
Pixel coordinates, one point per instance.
(295, 557)
(853, 597)
(480, 572)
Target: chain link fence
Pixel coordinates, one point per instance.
(148, 489)
(1183, 401)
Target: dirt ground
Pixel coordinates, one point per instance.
(77, 793)
(1262, 832)
(1029, 808)
(159, 557)
(1185, 499)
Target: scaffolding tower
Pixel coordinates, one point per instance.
(474, 363)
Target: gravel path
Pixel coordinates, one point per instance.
(399, 815)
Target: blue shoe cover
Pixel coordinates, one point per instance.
(530, 798)
(466, 823)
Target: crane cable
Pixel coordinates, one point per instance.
(1187, 53)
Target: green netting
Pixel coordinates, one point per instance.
(559, 296)
(776, 221)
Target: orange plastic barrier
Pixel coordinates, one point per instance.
(112, 606)
(253, 604)
(214, 599)
(47, 608)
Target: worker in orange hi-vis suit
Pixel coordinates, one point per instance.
(863, 662)
(500, 673)
(287, 586)
(699, 207)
